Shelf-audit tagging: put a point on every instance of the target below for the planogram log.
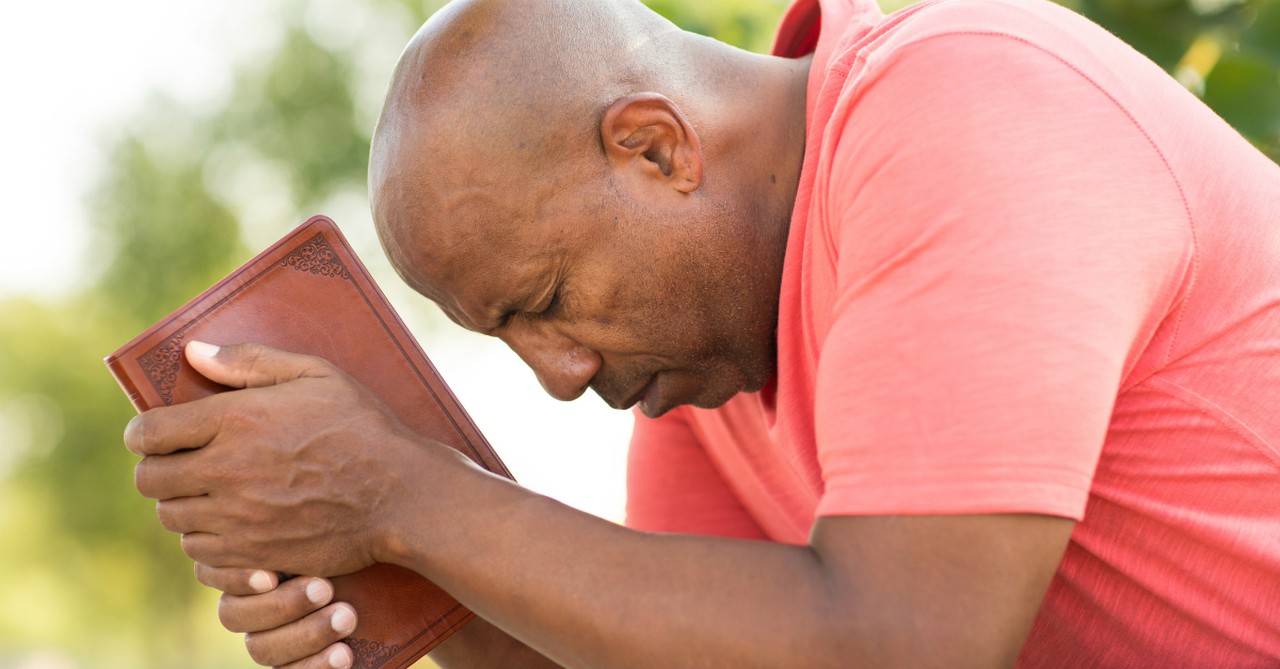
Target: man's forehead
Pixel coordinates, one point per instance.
(470, 233)
(455, 229)
(435, 212)
(480, 296)
(476, 277)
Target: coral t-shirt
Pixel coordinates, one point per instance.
(1026, 272)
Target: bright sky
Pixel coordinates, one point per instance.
(71, 71)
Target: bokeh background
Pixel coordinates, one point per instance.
(152, 146)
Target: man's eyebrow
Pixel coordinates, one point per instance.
(508, 308)
(455, 313)
(496, 317)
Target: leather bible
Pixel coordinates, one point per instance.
(309, 293)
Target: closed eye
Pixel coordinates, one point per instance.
(554, 303)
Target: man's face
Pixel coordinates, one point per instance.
(654, 306)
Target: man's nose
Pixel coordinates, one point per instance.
(563, 367)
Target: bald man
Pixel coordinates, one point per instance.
(897, 305)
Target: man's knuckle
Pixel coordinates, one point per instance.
(252, 354)
(243, 351)
(166, 515)
(135, 433)
(322, 367)
(218, 579)
(227, 614)
(140, 473)
(146, 479)
(261, 649)
(291, 604)
(194, 547)
(257, 649)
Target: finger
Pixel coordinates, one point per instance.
(337, 656)
(236, 581)
(170, 476)
(298, 641)
(291, 601)
(164, 430)
(183, 515)
(210, 549)
(252, 365)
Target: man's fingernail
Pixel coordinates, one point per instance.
(319, 591)
(343, 621)
(260, 581)
(201, 349)
(338, 659)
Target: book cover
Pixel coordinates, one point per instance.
(309, 293)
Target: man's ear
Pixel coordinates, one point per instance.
(647, 131)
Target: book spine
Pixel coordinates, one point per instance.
(127, 384)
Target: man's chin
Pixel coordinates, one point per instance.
(668, 390)
(656, 404)
(655, 412)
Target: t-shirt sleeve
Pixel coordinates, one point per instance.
(1006, 239)
(672, 486)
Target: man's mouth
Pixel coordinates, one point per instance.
(637, 396)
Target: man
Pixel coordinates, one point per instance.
(969, 310)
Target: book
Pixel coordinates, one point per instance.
(309, 293)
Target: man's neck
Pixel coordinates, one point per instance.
(764, 129)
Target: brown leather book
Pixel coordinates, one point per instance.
(309, 294)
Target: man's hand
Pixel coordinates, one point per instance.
(292, 473)
(288, 625)
(285, 625)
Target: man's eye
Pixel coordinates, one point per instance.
(553, 304)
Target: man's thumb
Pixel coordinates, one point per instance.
(250, 365)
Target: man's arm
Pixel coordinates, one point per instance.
(248, 479)
(867, 591)
(672, 486)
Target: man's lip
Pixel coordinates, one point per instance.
(638, 395)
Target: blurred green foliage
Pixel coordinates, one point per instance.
(1227, 51)
(87, 570)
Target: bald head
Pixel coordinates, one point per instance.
(507, 95)
(530, 149)
(488, 73)
(488, 81)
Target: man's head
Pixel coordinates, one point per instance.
(598, 189)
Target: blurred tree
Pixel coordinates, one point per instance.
(299, 111)
(749, 24)
(1226, 51)
(88, 569)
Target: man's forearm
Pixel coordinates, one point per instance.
(588, 593)
(480, 645)
(955, 591)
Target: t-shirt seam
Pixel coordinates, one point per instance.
(1069, 500)
(1236, 426)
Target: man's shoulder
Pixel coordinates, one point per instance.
(1034, 51)
(1031, 21)
(1017, 27)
